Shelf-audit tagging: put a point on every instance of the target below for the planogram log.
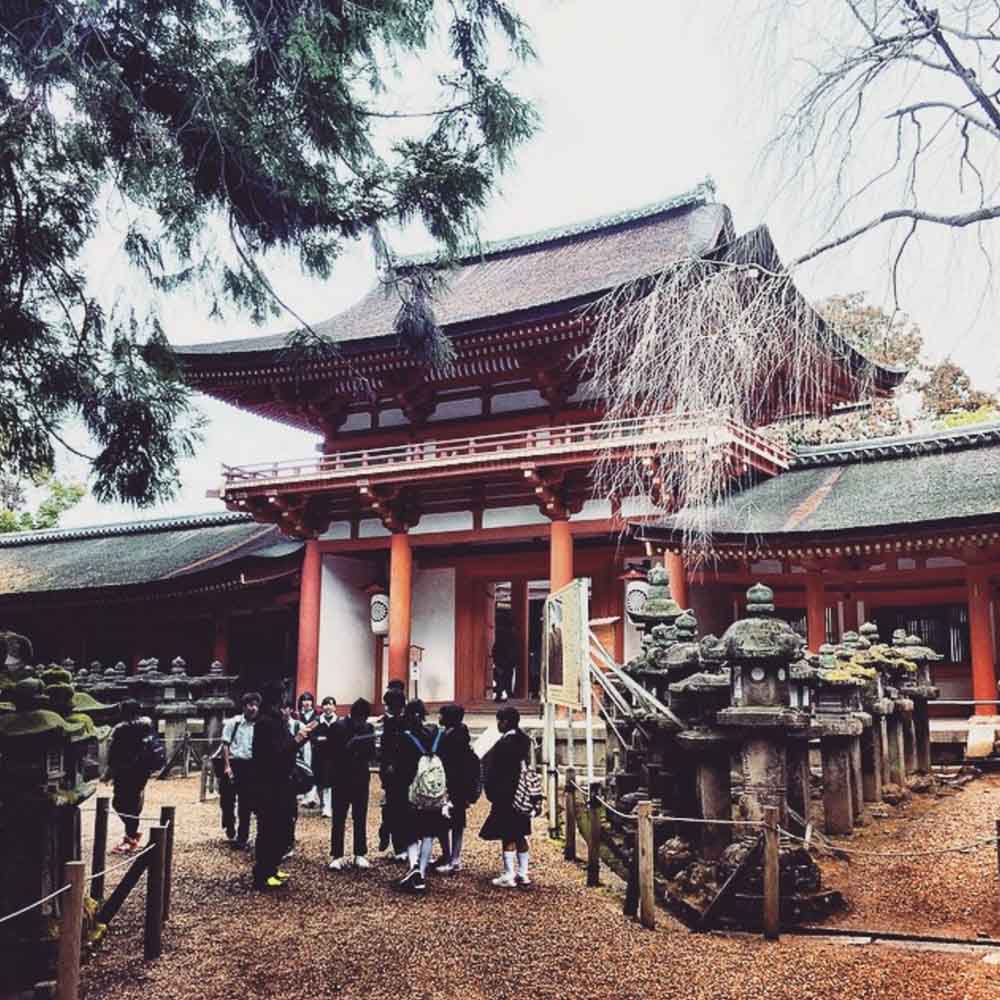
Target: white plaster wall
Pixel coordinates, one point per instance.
(457, 521)
(346, 644)
(391, 418)
(529, 399)
(372, 527)
(357, 422)
(593, 510)
(639, 506)
(503, 517)
(433, 628)
(452, 409)
(337, 530)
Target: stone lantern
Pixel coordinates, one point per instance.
(214, 700)
(920, 689)
(840, 721)
(40, 792)
(174, 706)
(697, 699)
(760, 650)
(109, 687)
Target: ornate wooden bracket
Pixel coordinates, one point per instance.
(553, 494)
(556, 380)
(324, 410)
(398, 508)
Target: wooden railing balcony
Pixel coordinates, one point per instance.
(563, 445)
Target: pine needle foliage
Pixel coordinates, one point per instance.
(281, 118)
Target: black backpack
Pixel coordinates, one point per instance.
(154, 753)
(470, 769)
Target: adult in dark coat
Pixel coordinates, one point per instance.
(128, 767)
(418, 827)
(353, 742)
(501, 773)
(274, 750)
(461, 766)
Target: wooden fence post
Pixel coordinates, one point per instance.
(570, 815)
(168, 817)
(644, 849)
(772, 900)
(593, 838)
(153, 937)
(100, 854)
(70, 932)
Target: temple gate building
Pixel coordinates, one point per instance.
(469, 486)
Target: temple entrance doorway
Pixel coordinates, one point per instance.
(512, 613)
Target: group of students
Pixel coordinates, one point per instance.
(430, 776)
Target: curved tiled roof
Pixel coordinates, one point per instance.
(515, 276)
(930, 479)
(123, 555)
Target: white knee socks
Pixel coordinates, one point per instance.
(456, 846)
(426, 847)
(522, 863)
(413, 854)
(508, 863)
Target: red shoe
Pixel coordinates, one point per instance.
(125, 847)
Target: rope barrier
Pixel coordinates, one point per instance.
(31, 906)
(933, 852)
(122, 864)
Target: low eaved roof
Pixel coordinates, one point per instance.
(136, 552)
(510, 277)
(925, 479)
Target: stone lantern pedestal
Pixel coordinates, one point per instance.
(41, 787)
(897, 724)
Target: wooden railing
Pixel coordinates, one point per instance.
(538, 443)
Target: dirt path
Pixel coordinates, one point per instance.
(956, 895)
(347, 934)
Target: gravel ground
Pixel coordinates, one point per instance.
(954, 895)
(347, 934)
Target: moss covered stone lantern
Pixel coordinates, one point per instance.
(760, 650)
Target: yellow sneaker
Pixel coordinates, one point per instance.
(274, 883)
(283, 875)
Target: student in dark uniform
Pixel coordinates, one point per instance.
(419, 827)
(501, 773)
(274, 750)
(353, 742)
(388, 731)
(462, 768)
(322, 753)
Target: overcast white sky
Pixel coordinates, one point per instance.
(639, 100)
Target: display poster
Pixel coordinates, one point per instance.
(566, 643)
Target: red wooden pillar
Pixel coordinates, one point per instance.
(519, 613)
(400, 605)
(560, 554)
(673, 562)
(307, 667)
(220, 639)
(984, 666)
(815, 611)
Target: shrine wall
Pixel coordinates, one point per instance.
(346, 645)
(433, 627)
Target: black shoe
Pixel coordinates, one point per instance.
(383, 840)
(412, 882)
(238, 845)
(230, 833)
(440, 862)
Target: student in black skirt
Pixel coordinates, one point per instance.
(501, 773)
(322, 754)
(419, 827)
(461, 765)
